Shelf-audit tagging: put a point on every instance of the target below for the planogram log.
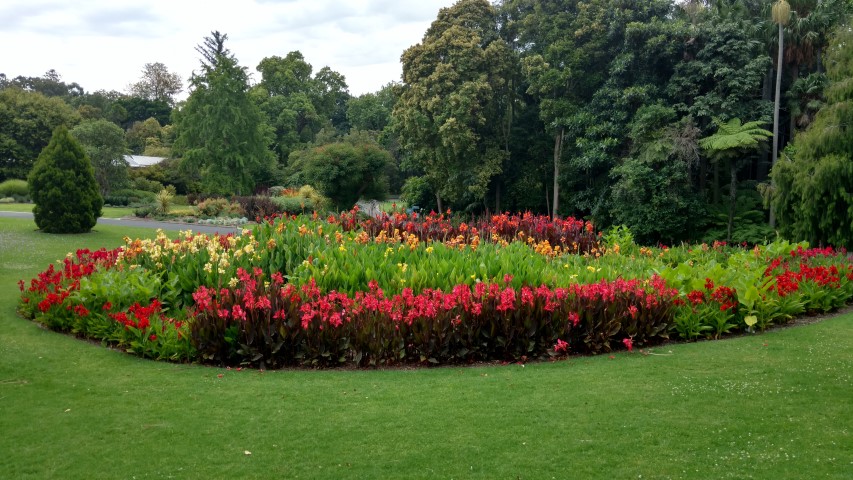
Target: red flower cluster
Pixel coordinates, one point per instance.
(509, 313)
(54, 286)
(140, 317)
(800, 252)
(789, 276)
(570, 234)
(725, 296)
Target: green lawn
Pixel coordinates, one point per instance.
(770, 406)
(109, 212)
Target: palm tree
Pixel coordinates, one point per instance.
(731, 141)
(780, 14)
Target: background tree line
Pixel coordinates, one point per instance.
(623, 112)
(606, 109)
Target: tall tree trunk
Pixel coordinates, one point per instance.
(498, 197)
(438, 201)
(732, 199)
(766, 94)
(776, 115)
(792, 125)
(547, 201)
(818, 60)
(558, 152)
(716, 186)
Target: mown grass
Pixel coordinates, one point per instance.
(108, 212)
(769, 406)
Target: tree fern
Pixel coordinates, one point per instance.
(733, 139)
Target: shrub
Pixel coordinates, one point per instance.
(7, 200)
(182, 212)
(417, 192)
(13, 187)
(63, 187)
(275, 191)
(142, 183)
(257, 207)
(318, 200)
(292, 205)
(164, 200)
(144, 211)
(215, 207)
(116, 201)
(130, 197)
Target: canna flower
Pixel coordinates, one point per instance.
(629, 343)
(574, 318)
(561, 347)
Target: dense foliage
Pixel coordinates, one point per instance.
(27, 121)
(409, 289)
(344, 171)
(813, 198)
(593, 109)
(220, 131)
(105, 145)
(63, 187)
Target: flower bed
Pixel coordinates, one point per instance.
(400, 289)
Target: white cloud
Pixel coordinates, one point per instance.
(103, 44)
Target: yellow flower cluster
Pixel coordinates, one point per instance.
(498, 240)
(544, 248)
(161, 250)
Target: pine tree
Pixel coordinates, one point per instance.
(63, 187)
(221, 132)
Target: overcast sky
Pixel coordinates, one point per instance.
(103, 44)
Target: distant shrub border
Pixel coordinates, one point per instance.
(300, 291)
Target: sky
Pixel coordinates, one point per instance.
(104, 44)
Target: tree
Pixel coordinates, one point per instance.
(781, 16)
(731, 141)
(26, 122)
(586, 76)
(298, 105)
(141, 133)
(721, 76)
(371, 111)
(104, 143)
(652, 194)
(813, 193)
(449, 114)
(157, 83)
(138, 109)
(330, 97)
(63, 187)
(344, 171)
(49, 85)
(220, 132)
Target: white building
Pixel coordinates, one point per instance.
(139, 161)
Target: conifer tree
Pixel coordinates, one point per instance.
(63, 187)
